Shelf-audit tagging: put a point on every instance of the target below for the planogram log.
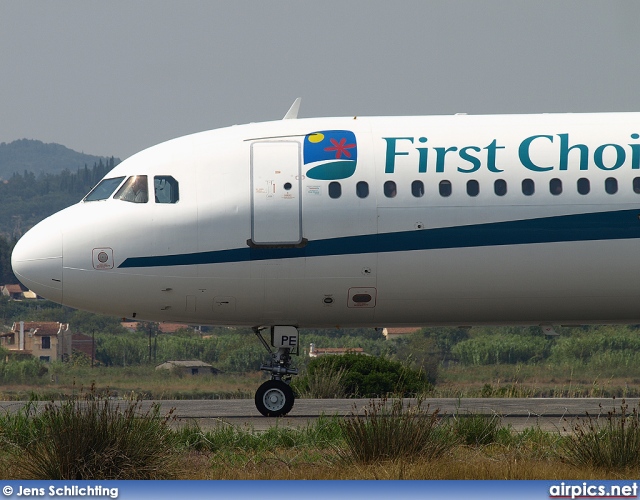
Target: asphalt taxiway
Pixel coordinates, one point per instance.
(551, 414)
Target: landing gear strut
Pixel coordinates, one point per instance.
(275, 397)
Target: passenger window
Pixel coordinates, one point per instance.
(134, 190)
(166, 189)
(611, 185)
(104, 189)
(417, 189)
(473, 188)
(584, 186)
(445, 188)
(390, 189)
(636, 185)
(555, 187)
(335, 189)
(500, 187)
(362, 189)
(528, 187)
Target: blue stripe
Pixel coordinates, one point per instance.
(622, 224)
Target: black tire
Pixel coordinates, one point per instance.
(274, 398)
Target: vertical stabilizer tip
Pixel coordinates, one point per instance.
(292, 114)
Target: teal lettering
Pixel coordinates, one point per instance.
(422, 161)
(491, 156)
(441, 153)
(621, 156)
(525, 158)
(390, 161)
(635, 153)
(471, 159)
(565, 149)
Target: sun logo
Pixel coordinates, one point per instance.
(330, 155)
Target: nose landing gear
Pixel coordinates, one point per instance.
(275, 397)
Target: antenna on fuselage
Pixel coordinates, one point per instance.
(292, 114)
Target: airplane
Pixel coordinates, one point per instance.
(357, 222)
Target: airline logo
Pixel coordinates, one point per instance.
(330, 155)
(537, 153)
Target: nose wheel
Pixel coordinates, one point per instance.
(274, 398)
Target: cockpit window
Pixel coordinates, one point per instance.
(166, 189)
(134, 190)
(104, 189)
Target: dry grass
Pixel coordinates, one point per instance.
(522, 381)
(454, 381)
(461, 463)
(134, 382)
(318, 452)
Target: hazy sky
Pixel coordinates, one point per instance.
(114, 77)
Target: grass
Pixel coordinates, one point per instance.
(73, 440)
(89, 437)
(324, 383)
(134, 382)
(389, 430)
(611, 443)
(524, 381)
(477, 430)
(145, 382)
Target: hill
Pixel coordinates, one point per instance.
(37, 157)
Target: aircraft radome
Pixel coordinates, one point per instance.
(358, 222)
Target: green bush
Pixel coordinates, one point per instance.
(369, 376)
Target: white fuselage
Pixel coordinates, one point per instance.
(272, 224)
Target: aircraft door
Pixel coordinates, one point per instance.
(276, 204)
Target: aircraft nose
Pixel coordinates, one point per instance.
(37, 260)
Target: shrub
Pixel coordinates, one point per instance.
(611, 443)
(477, 430)
(90, 438)
(390, 431)
(324, 382)
(369, 376)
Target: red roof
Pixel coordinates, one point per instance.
(41, 327)
(172, 327)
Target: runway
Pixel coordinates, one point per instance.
(551, 414)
